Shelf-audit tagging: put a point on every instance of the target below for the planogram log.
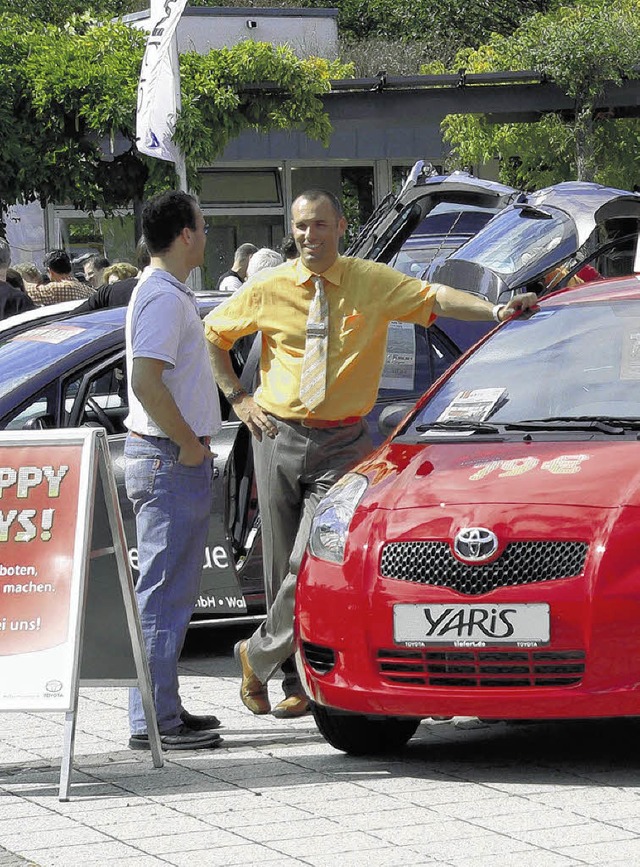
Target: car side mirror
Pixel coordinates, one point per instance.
(40, 422)
(391, 416)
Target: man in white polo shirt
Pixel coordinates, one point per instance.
(173, 412)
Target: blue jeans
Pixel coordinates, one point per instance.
(172, 506)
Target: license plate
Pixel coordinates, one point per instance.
(471, 625)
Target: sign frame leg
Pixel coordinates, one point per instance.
(66, 762)
(128, 595)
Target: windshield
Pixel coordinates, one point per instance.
(574, 361)
(522, 242)
(441, 232)
(413, 261)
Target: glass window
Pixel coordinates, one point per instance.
(37, 414)
(226, 233)
(241, 188)
(441, 232)
(98, 398)
(113, 237)
(521, 242)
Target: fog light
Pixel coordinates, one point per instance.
(319, 658)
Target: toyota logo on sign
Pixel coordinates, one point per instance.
(475, 544)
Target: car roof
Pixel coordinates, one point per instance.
(45, 351)
(22, 321)
(613, 289)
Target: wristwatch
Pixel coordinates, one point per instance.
(236, 395)
(496, 311)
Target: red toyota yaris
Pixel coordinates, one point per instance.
(484, 560)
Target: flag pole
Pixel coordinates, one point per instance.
(180, 162)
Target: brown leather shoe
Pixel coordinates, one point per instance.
(253, 693)
(292, 706)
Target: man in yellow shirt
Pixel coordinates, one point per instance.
(307, 424)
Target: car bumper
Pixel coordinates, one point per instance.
(589, 668)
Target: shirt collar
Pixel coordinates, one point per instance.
(149, 271)
(332, 275)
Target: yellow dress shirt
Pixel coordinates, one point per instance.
(363, 298)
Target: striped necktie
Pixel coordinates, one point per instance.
(313, 378)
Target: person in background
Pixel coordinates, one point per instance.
(14, 278)
(30, 274)
(288, 248)
(118, 294)
(261, 259)
(173, 413)
(233, 279)
(12, 300)
(62, 285)
(119, 271)
(94, 268)
(324, 321)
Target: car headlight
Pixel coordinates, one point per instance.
(333, 515)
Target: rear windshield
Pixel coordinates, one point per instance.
(518, 244)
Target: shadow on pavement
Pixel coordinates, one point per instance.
(564, 753)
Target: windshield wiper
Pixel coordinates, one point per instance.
(458, 425)
(602, 423)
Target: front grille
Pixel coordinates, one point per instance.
(319, 658)
(486, 668)
(520, 563)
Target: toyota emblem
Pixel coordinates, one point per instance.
(475, 544)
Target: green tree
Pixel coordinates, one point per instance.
(580, 48)
(60, 11)
(68, 95)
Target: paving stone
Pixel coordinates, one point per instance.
(435, 832)
(326, 844)
(190, 842)
(237, 818)
(554, 838)
(533, 858)
(465, 852)
(225, 856)
(385, 857)
(473, 809)
(142, 829)
(532, 820)
(601, 852)
(36, 839)
(389, 818)
(300, 830)
(40, 822)
(10, 859)
(65, 856)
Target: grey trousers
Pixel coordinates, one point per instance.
(293, 472)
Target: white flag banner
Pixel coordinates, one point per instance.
(159, 86)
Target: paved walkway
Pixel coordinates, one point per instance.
(462, 793)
